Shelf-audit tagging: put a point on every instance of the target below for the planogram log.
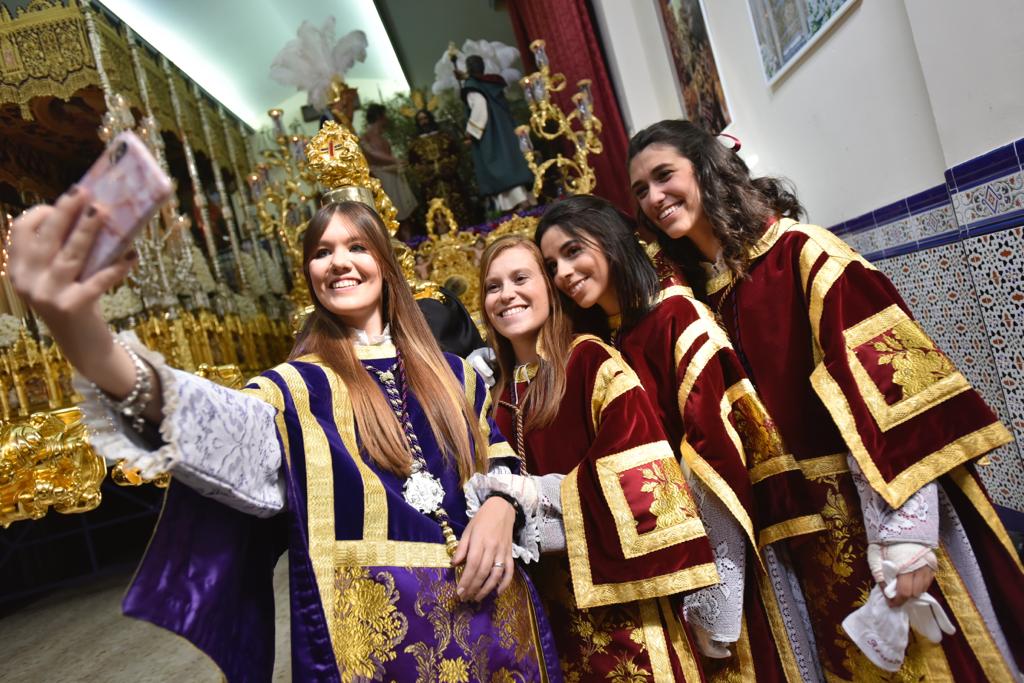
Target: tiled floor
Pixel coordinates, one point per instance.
(80, 635)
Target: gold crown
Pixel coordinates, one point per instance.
(340, 167)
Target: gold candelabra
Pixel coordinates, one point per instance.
(548, 121)
(282, 187)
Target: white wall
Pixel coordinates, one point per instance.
(972, 56)
(851, 125)
(638, 61)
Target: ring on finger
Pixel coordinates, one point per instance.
(499, 564)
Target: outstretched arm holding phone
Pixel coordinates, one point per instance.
(49, 247)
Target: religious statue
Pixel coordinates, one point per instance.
(501, 171)
(434, 158)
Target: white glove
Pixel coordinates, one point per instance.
(708, 646)
(882, 632)
(928, 618)
(481, 360)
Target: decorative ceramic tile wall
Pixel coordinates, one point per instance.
(956, 253)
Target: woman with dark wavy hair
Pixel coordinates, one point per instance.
(351, 455)
(877, 416)
(747, 487)
(618, 535)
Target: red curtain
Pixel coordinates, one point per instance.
(573, 48)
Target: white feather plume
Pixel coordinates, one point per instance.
(313, 59)
(498, 59)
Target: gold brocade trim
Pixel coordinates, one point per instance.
(935, 663)
(371, 351)
(808, 524)
(830, 271)
(589, 595)
(501, 450)
(824, 466)
(969, 620)
(677, 523)
(319, 496)
(269, 392)
(613, 379)
(744, 654)
(713, 480)
(686, 340)
(657, 646)
(680, 643)
(674, 290)
(697, 364)
(375, 497)
(780, 635)
(966, 483)
(725, 410)
(525, 373)
(770, 237)
(769, 468)
(928, 468)
(391, 554)
(761, 247)
(889, 415)
(719, 282)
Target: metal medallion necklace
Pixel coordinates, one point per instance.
(422, 490)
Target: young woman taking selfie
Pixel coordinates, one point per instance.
(351, 456)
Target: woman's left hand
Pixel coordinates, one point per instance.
(486, 550)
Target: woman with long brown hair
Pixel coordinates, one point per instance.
(351, 454)
(748, 488)
(877, 416)
(614, 528)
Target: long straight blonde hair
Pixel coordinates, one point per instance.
(542, 398)
(452, 419)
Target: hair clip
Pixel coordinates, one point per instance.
(735, 143)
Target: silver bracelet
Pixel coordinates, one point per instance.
(138, 398)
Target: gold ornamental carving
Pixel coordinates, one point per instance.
(334, 156)
(46, 461)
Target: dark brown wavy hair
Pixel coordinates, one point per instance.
(452, 419)
(542, 398)
(598, 223)
(737, 205)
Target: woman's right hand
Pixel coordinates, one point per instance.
(48, 248)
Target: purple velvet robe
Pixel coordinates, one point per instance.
(372, 593)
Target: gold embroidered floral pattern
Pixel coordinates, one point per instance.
(758, 433)
(915, 360)
(454, 671)
(515, 631)
(627, 671)
(672, 503)
(365, 611)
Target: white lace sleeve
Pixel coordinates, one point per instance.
(219, 442)
(540, 499)
(718, 609)
(916, 521)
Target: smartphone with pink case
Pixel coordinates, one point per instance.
(129, 186)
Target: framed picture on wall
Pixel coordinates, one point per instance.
(689, 44)
(788, 29)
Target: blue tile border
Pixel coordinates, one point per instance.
(996, 223)
(891, 213)
(999, 162)
(930, 199)
(1002, 162)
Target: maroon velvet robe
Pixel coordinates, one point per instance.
(715, 419)
(634, 538)
(842, 367)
